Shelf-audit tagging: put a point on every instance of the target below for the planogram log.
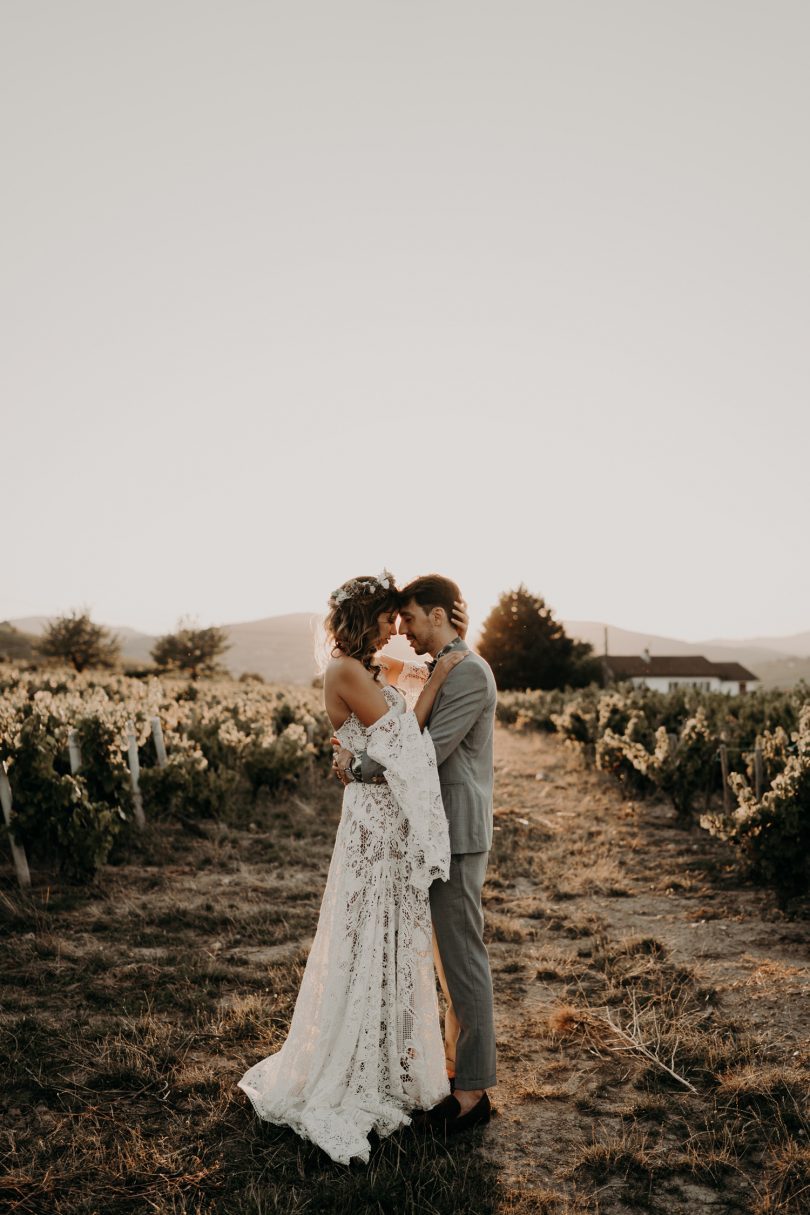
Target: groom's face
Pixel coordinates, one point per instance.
(416, 625)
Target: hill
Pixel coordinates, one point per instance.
(753, 654)
(283, 648)
(783, 672)
(15, 644)
(280, 648)
(135, 646)
(797, 644)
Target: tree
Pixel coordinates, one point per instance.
(527, 648)
(191, 649)
(77, 640)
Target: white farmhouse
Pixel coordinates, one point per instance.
(665, 673)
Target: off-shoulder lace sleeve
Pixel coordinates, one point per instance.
(409, 759)
(411, 681)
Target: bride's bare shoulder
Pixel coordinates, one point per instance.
(343, 670)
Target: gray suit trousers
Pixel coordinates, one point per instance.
(458, 924)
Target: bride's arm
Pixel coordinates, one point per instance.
(392, 668)
(431, 689)
(409, 677)
(395, 669)
(365, 766)
(363, 696)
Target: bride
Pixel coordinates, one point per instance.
(364, 1046)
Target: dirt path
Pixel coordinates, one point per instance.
(593, 899)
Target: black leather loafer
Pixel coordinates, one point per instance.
(447, 1115)
(477, 1116)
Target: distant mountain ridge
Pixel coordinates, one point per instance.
(626, 641)
(778, 662)
(15, 645)
(279, 648)
(283, 649)
(796, 645)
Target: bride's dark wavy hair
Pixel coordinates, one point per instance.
(351, 623)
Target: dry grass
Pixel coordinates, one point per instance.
(507, 928)
(624, 1154)
(787, 1181)
(127, 1016)
(743, 1123)
(776, 1092)
(599, 875)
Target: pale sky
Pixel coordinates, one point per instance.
(515, 291)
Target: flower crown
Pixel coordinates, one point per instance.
(361, 588)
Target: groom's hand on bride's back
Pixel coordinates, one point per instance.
(341, 758)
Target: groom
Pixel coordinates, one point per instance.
(461, 726)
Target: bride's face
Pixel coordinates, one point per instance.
(387, 622)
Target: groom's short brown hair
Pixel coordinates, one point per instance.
(430, 591)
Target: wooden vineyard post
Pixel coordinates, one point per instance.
(134, 772)
(17, 850)
(724, 769)
(160, 745)
(759, 771)
(74, 751)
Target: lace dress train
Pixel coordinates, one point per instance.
(364, 1045)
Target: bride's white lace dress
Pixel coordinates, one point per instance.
(364, 1045)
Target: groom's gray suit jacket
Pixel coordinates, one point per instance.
(462, 726)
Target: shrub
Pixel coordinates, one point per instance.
(775, 746)
(54, 814)
(628, 761)
(686, 769)
(191, 649)
(668, 743)
(773, 833)
(77, 640)
(530, 710)
(578, 721)
(223, 740)
(279, 764)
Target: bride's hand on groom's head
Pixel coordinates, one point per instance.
(460, 620)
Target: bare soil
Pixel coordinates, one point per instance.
(129, 1009)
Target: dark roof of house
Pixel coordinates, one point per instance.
(733, 670)
(630, 666)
